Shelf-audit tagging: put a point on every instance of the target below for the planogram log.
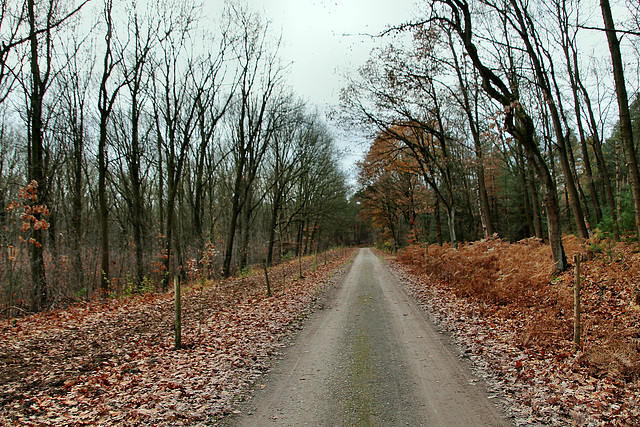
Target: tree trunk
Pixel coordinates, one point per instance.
(574, 198)
(568, 207)
(626, 131)
(136, 213)
(171, 202)
(103, 211)
(76, 220)
(299, 238)
(231, 230)
(245, 233)
(36, 166)
(600, 161)
(554, 108)
(438, 223)
(518, 123)
(619, 178)
(581, 195)
(105, 106)
(555, 230)
(606, 180)
(525, 132)
(160, 185)
(588, 173)
(485, 211)
(583, 147)
(198, 209)
(451, 218)
(484, 197)
(272, 229)
(571, 57)
(535, 203)
(521, 164)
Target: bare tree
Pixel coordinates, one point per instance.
(13, 17)
(212, 105)
(178, 85)
(260, 81)
(402, 95)
(626, 131)
(144, 35)
(285, 163)
(456, 15)
(28, 57)
(73, 93)
(40, 80)
(469, 101)
(522, 22)
(107, 95)
(568, 34)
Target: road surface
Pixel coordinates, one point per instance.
(371, 357)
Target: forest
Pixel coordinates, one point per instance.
(143, 140)
(515, 118)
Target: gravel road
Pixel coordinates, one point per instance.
(371, 357)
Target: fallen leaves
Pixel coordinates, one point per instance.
(113, 362)
(514, 321)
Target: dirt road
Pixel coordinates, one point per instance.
(370, 358)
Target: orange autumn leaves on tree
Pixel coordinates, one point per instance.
(34, 214)
(391, 189)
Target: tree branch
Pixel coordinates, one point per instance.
(627, 32)
(7, 47)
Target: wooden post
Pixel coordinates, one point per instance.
(300, 263)
(200, 308)
(426, 257)
(576, 303)
(178, 306)
(266, 276)
(284, 273)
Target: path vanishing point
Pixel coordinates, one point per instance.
(370, 357)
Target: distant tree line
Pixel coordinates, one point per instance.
(490, 117)
(138, 142)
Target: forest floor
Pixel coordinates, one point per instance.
(513, 317)
(371, 357)
(113, 362)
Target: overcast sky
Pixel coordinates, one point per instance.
(322, 39)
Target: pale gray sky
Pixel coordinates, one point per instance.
(324, 40)
(320, 38)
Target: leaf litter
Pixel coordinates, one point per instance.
(113, 362)
(513, 318)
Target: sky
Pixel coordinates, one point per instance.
(326, 39)
(323, 40)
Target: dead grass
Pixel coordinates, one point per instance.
(516, 281)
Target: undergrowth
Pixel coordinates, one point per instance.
(518, 281)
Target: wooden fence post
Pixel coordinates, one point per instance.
(178, 307)
(284, 272)
(426, 257)
(266, 275)
(576, 303)
(300, 263)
